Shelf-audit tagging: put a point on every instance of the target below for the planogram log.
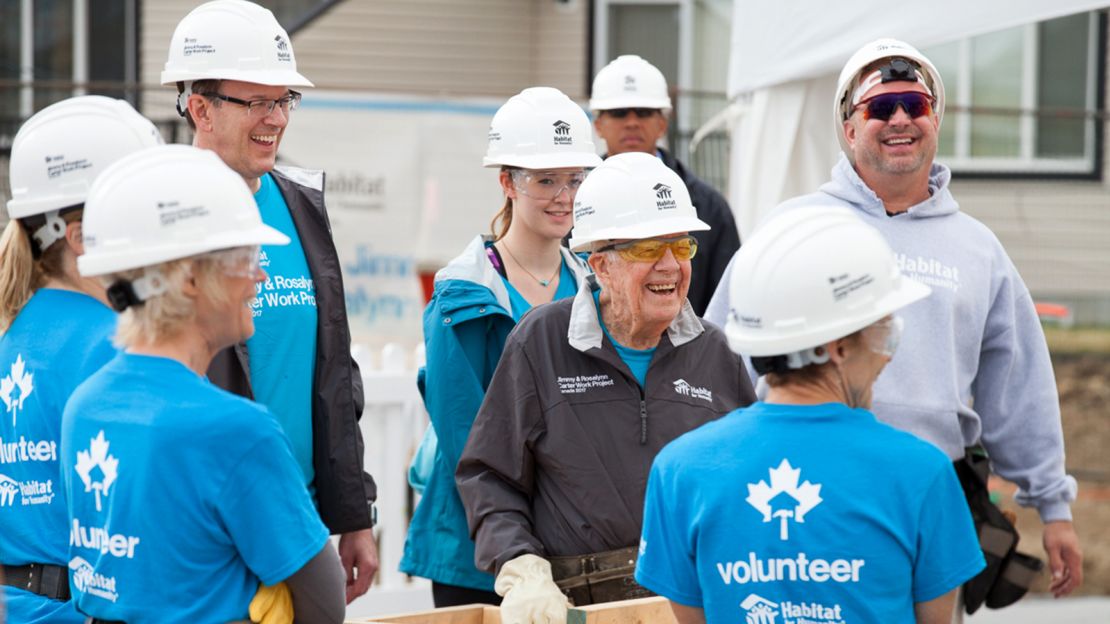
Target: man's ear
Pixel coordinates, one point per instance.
(74, 238)
(850, 132)
(599, 262)
(200, 109)
(190, 286)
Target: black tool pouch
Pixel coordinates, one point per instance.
(1009, 573)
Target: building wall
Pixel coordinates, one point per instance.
(1056, 232)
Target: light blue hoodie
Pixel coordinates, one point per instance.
(975, 341)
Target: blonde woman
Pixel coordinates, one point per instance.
(542, 144)
(54, 332)
(182, 497)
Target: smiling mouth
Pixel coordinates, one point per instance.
(558, 213)
(899, 141)
(663, 289)
(264, 139)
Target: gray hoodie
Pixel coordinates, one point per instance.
(973, 365)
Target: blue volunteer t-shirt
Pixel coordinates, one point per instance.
(567, 288)
(821, 514)
(283, 347)
(59, 338)
(183, 497)
(637, 360)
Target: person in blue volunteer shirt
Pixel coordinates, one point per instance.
(183, 497)
(55, 329)
(541, 142)
(804, 507)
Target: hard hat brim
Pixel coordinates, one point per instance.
(283, 78)
(129, 258)
(759, 344)
(543, 161)
(604, 104)
(642, 230)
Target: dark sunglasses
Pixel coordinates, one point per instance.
(882, 107)
(621, 113)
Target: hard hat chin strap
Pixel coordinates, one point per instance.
(124, 294)
(51, 232)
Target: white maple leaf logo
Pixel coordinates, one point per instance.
(784, 498)
(96, 467)
(18, 379)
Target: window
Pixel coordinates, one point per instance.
(54, 49)
(1023, 100)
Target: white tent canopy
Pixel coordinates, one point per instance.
(783, 69)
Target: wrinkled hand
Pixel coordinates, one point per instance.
(272, 604)
(1065, 558)
(530, 594)
(359, 554)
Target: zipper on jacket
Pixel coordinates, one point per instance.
(643, 419)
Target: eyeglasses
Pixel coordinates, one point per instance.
(547, 185)
(239, 261)
(621, 113)
(883, 106)
(884, 335)
(652, 249)
(261, 108)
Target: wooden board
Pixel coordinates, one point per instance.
(654, 610)
(467, 614)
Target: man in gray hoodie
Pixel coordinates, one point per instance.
(977, 370)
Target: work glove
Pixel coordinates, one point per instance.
(530, 595)
(272, 604)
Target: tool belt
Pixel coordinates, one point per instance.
(598, 577)
(43, 579)
(1009, 573)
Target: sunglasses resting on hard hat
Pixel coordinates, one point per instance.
(652, 249)
(883, 106)
(621, 113)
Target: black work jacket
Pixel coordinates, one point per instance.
(343, 490)
(715, 247)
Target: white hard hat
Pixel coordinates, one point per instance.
(868, 54)
(232, 40)
(60, 150)
(166, 203)
(629, 82)
(630, 196)
(810, 276)
(540, 128)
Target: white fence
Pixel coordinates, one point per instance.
(392, 424)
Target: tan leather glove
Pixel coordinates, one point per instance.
(530, 595)
(272, 604)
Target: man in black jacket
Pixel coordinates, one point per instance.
(630, 105)
(234, 68)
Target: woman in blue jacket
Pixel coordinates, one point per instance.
(542, 143)
(55, 330)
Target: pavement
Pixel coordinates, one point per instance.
(1038, 610)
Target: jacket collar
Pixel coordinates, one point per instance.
(473, 265)
(585, 331)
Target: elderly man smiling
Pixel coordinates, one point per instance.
(586, 393)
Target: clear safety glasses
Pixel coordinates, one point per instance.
(883, 336)
(260, 108)
(652, 249)
(239, 261)
(547, 185)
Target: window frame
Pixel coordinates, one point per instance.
(1027, 165)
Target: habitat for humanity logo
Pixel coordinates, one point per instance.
(763, 611)
(9, 487)
(784, 498)
(562, 133)
(86, 580)
(33, 492)
(681, 386)
(629, 83)
(282, 48)
(96, 467)
(16, 386)
(663, 199)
